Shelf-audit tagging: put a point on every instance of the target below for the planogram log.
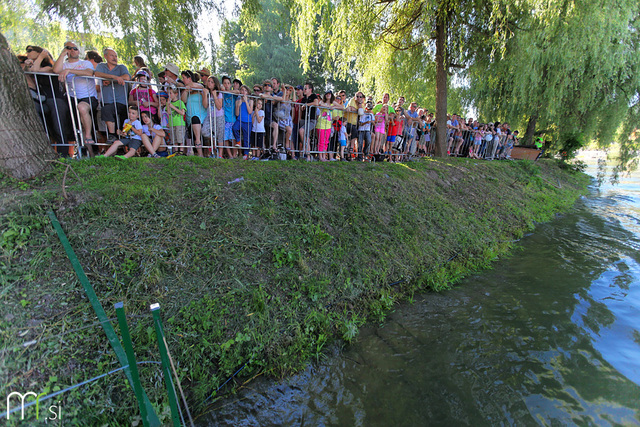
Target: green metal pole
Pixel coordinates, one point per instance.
(97, 307)
(131, 358)
(166, 368)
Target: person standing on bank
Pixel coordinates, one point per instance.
(114, 93)
(77, 73)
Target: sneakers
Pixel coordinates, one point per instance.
(119, 157)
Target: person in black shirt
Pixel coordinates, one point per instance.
(56, 105)
(307, 123)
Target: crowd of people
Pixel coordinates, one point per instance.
(113, 111)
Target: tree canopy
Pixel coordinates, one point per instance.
(572, 69)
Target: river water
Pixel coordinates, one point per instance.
(550, 336)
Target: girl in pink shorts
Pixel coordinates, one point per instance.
(379, 131)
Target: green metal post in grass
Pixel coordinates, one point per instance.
(166, 367)
(97, 307)
(131, 358)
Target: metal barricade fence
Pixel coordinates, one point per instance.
(199, 127)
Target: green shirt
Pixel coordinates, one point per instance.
(175, 118)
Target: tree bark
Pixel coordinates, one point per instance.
(441, 87)
(531, 129)
(24, 146)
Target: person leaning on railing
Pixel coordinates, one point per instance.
(51, 95)
(197, 105)
(214, 122)
(114, 92)
(77, 73)
(142, 95)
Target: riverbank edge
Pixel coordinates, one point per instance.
(256, 265)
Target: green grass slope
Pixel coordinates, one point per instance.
(259, 274)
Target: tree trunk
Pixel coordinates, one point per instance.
(24, 146)
(441, 88)
(531, 129)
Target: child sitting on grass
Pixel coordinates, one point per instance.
(130, 136)
(153, 135)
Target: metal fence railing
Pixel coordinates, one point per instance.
(217, 123)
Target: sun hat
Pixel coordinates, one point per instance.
(172, 68)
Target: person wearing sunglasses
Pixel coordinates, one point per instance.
(77, 75)
(356, 103)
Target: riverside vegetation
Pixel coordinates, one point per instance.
(260, 274)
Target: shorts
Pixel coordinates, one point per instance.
(116, 113)
(176, 135)
(93, 102)
(257, 138)
(343, 142)
(391, 138)
(132, 143)
(228, 131)
(310, 123)
(282, 124)
(195, 120)
(352, 130)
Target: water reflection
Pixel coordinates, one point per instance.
(550, 336)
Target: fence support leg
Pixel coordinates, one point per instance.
(166, 368)
(131, 358)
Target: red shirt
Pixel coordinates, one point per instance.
(395, 128)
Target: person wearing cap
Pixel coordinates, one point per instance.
(171, 73)
(113, 94)
(204, 75)
(142, 95)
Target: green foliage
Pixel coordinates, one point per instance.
(154, 30)
(572, 67)
(258, 46)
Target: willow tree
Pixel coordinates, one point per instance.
(571, 71)
(370, 35)
(162, 31)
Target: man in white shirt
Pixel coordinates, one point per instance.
(74, 71)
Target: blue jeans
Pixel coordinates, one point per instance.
(245, 128)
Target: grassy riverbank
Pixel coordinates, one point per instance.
(259, 274)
